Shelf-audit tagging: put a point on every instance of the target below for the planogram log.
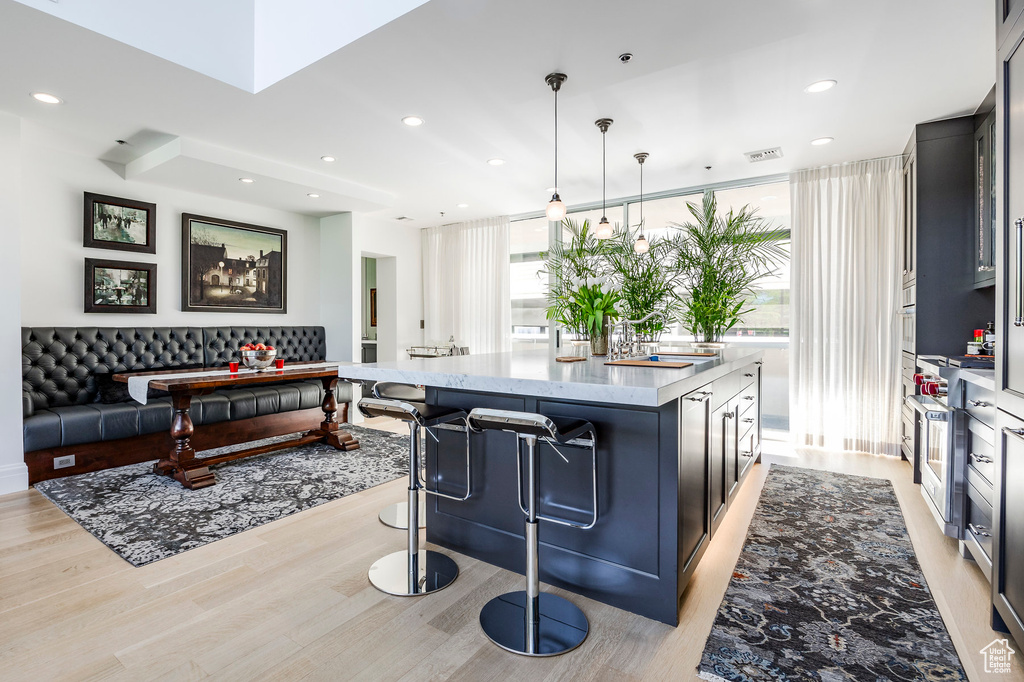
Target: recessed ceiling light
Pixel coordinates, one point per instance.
(821, 140)
(313, 195)
(247, 181)
(328, 159)
(463, 206)
(496, 162)
(820, 86)
(412, 121)
(47, 98)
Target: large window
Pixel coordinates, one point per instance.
(528, 239)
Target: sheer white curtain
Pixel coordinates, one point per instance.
(466, 285)
(844, 341)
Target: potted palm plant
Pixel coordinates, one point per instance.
(647, 282)
(721, 258)
(580, 297)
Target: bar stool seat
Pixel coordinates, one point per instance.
(414, 571)
(530, 622)
(397, 515)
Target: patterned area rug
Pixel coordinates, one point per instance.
(828, 588)
(144, 517)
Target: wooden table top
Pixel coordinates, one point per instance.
(240, 378)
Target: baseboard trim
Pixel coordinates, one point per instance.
(13, 478)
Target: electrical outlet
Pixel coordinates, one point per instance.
(64, 462)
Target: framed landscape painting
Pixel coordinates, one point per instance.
(229, 267)
(122, 224)
(117, 286)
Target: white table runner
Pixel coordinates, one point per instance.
(138, 386)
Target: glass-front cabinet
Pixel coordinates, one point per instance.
(985, 203)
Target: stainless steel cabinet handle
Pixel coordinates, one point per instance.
(978, 403)
(1018, 320)
(981, 531)
(980, 458)
(747, 454)
(748, 397)
(701, 397)
(906, 438)
(905, 271)
(748, 420)
(1018, 433)
(728, 415)
(758, 362)
(748, 374)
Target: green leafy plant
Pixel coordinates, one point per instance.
(570, 265)
(720, 259)
(647, 281)
(596, 303)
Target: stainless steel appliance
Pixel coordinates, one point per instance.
(941, 441)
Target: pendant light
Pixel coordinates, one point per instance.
(556, 209)
(641, 245)
(604, 228)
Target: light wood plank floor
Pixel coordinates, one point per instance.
(290, 600)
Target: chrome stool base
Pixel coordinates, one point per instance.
(434, 571)
(397, 514)
(561, 625)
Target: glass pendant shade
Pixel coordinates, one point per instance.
(604, 229)
(556, 209)
(641, 245)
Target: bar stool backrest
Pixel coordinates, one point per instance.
(390, 390)
(396, 409)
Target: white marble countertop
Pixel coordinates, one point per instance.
(535, 373)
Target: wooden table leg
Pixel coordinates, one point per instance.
(182, 463)
(330, 430)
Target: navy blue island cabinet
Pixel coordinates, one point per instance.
(673, 446)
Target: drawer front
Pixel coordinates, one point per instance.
(908, 338)
(909, 363)
(747, 400)
(907, 437)
(978, 522)
(909, 296)
(980, 403)
(746, 453)
(981, 455)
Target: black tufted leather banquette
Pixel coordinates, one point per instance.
(60, 365)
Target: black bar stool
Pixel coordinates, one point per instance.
(397, 515)
(414, 571)
(530, 622)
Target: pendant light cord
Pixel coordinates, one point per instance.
(641, 199)
(604, 174)
(556, 141)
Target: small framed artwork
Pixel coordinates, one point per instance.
(230, 267)
(373, 307)
(117, 286)
(122, 224)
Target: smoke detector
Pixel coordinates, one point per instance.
(764, 155)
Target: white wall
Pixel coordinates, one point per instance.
(13, 472)
(345, 239)
(53, 182)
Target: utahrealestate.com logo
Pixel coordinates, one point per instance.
(998, 655)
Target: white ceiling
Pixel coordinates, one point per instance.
(708, 82)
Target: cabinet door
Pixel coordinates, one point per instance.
(1010, 243)
(984, 258)
(694, 468)
(1008, 524)
(732, 436)
(720, 486)
(1007, 13)
(910, 219)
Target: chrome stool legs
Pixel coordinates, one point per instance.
(413, 571)
(531, 622)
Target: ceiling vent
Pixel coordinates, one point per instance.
(403, 217)
(764, 155)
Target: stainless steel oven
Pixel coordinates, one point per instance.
(941, 432)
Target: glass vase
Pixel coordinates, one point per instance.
(599, 340)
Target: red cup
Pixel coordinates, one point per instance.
(279, 363)
(233, 365)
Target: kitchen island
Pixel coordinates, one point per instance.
(673, 445)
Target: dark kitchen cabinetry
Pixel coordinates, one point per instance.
(694, 473)
(1007, 548)
(941, 303)
(735, 442)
